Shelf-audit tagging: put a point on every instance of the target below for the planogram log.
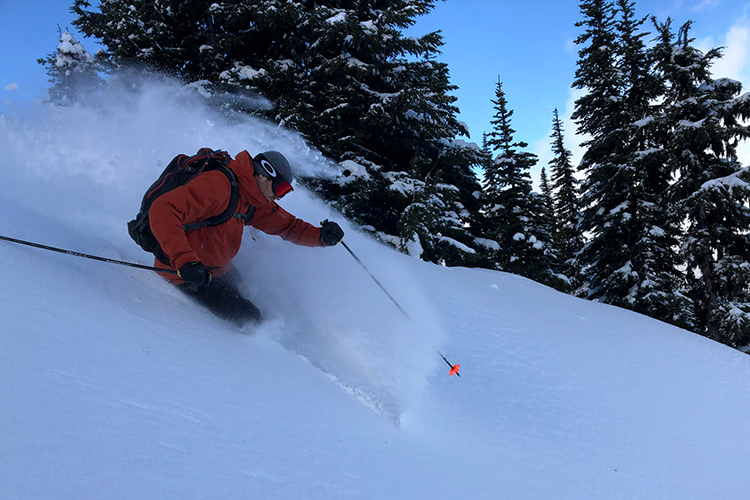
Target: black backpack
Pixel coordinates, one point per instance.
(181, 170)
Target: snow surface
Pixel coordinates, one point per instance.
(115, 386)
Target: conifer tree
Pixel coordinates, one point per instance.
(702, 122)
(548, 213)
(395, 117)
(566, 205)
(607, 186)
(597, 114)
(597, 111)
(193, 40)
(546, 188)
(514, 213)
(550, 231)
(73, 71)
(656, 291)
(629, 259)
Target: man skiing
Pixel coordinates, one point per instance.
(202, 256)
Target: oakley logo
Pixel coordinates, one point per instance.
(268, 168)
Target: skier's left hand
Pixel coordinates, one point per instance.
(330, 233)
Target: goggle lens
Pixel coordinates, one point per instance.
(281, 187)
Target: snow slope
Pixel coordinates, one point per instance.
(115, 386)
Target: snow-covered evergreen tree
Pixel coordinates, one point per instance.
(597, 111)
(702, 120)
(514, 214)
(73, 71)
(185, 39)
(383, 102)
(606, 187)
(549, 228)
(628, 259)
(657, 289)
(564, 193)
(546, 187)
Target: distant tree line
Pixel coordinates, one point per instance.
(653, 219)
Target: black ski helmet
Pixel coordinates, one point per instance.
(273, 164)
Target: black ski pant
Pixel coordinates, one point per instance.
(223, 298)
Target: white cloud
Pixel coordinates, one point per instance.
(11, 86)
(734, 63)
(706, 5)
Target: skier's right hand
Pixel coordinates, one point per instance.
(195, 274)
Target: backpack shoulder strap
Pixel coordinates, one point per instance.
(229, 212)
(245, 218)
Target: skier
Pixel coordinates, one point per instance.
(202, 256)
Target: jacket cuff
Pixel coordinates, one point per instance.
(184, 259)
(320, 238)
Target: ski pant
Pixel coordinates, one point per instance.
(223, 298)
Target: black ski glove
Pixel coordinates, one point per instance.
(330, 233)
(195, 274)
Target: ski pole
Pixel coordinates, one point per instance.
(374, 279)
(454, 368)
(87, 256)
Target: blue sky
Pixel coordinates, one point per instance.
(529, 45)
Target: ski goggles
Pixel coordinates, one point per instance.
(281, 187)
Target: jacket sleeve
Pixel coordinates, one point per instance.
(203, 197)
(277, 221)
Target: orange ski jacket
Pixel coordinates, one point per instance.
(215, 246)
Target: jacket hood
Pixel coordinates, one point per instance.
(243, 168)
